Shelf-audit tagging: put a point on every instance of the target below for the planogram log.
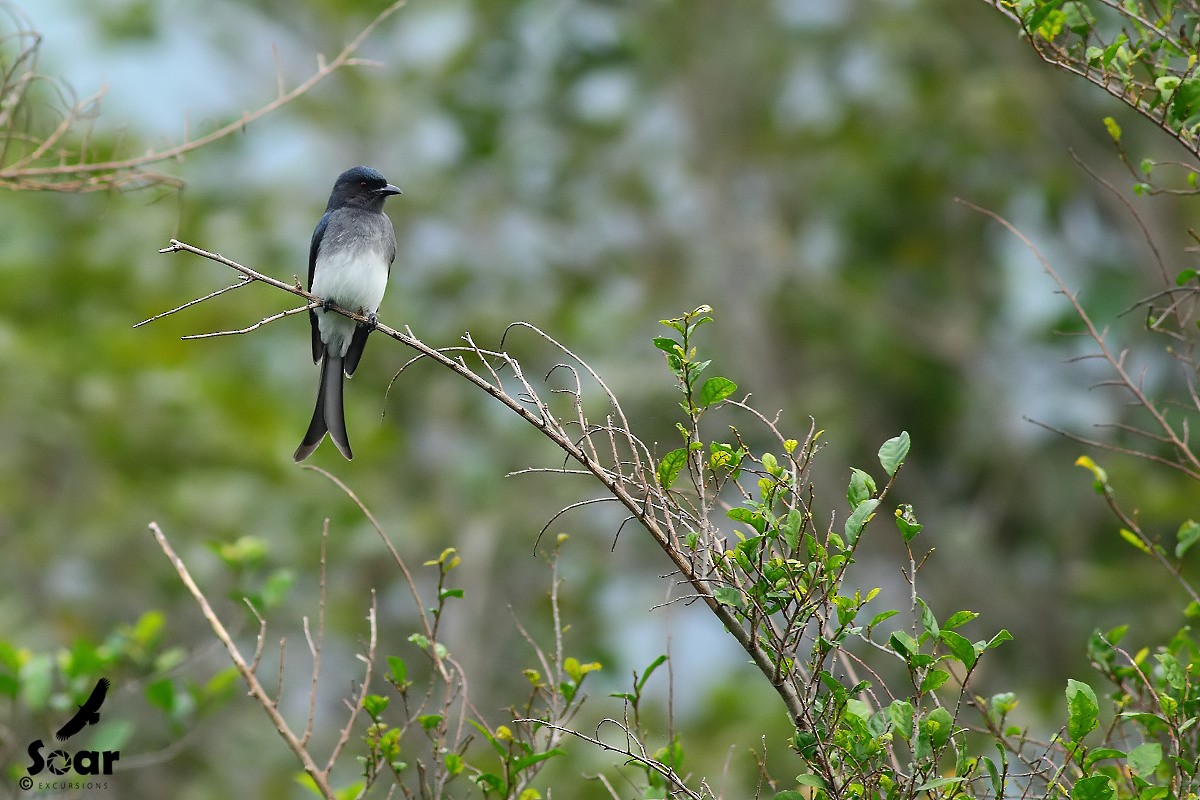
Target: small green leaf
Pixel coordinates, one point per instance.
(1135, 540)
(524, 762)
(655, 664)
(862, 486)
(1186, 536)
(959, 618)
(1187, 275)
(1114, 130)
(906, 522)
(928, 620)
(857, 520)
(1082, 711)
(1172, 671)
(670, 466)
(903, 644)
(1000, 638)
(374, 705)
(429, 721)
(668, 345)
(716, 389)
(938, 724)
(893, 452)
(937, 783)
(961, 648)
(1145, 758)
(1100, 484)
(398, 670)
(730, 596)
(1099, 754)
(900, 712)
(1095, 787)
(878, 618)
(752, 518)
(454, 763)
(934, 679)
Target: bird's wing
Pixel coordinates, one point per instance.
(74, 725)
(96, 698)
(391, 253)
(318, 347)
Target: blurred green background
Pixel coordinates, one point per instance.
(588, 167)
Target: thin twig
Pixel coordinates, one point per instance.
(320, 777)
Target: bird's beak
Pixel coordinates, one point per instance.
(389, 189)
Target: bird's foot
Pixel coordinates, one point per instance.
(372, 321)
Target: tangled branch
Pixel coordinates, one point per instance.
(64, 159)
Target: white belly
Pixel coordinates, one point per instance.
(353, 278)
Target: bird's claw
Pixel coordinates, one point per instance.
(372, 321)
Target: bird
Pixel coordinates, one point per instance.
(349, 263)
(88, 713)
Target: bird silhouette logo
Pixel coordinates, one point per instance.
(88, 713)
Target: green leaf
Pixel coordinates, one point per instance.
(716, 389)
(1096, 787)
(1099, 754)
(1082, 711)
(937, 782)
(939, 725)
(398, 669)
(454, 763)
(655, 664)
(906, 521)
(928, 620)
(995, 777)
(1172, 671)
(1186, 536)
(893, 452)
(803, 780)
(1145, 758)
(429, 721)
(752, 518)
(667, 345)
(862, 486)
(808, 779)
(1000, 638)
(934, 679)
(790, 528)
(374, 705)
(1135, 540)
(524, 762)
(880, 617)
(858, 519)
(903, 644)
(670, 466)
(1114, 130)
(1187, 275)
(900, 712)
(730, 596)
(959, 618)
(961, 648)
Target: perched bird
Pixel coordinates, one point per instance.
(349, 262)
(88, 713)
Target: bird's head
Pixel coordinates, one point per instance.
(361, 186)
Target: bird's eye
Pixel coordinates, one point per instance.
(363, 184)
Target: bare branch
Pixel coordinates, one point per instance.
(50, 165)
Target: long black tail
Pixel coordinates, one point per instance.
(328, 415)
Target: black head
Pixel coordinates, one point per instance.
(361, 186)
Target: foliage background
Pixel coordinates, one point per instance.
(589, 167)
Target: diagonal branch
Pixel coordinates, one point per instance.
(642, 498)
